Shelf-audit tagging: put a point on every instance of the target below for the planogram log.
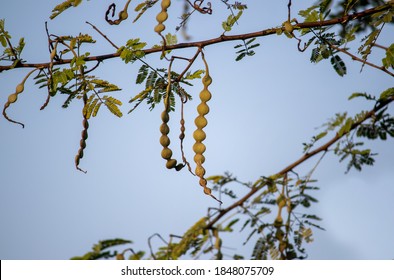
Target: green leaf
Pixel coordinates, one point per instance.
(240, 56)
(231, 20)
(311, 14)
(143, 7)
(320, 135)
(171, 39)
(387, 94)
(112, 105)
(346, 127)
(3, 41)
(142, 74)
(361, 94)
(388, 61)
(230, 224)
(196, 75)
(64, 6)
(338, 65)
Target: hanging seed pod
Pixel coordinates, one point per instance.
(84, 136)
(12, 98)
(162, 16)
(199, 134)
(166, 152)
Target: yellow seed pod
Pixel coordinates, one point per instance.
(278, 221)
(165, 117)
(201, 122)
(164, 141)
(162, 16)
(166, 153)
(206, 80)
(19, 88)
(202, 109)
(199, 148)
(199, 135)
(159, 28)
(205, 95)
(12, 98)
(165, 4)
(200, 171)
(171, 163)
(288, 26)
(281, 201)
(208, 191)
(199, 159)
(123, 15)
(164, 129)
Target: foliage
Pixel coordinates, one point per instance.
(274, 209)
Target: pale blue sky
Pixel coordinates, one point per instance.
(263, 109)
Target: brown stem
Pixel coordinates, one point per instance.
(102, 34)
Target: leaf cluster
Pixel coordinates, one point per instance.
(156, 81)
(10, 53)
(100, 250)
(246, 50)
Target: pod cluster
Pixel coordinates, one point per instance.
(162, 16)
(84, 136)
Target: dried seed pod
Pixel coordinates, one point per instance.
(288, 26)
(164, 141)
(201, 122)
(123, 15)
(84, 136)
(199, 134)
(171, 163)
(166, 153)
(12, 98)
(162, 16)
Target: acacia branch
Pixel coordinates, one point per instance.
(382, 68)
(220, 39)
(323, 148)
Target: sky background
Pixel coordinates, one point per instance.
(263, 108)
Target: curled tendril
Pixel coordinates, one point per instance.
(197, 6)
(123, 15)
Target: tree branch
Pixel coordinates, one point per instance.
(220, 39)
(380, 105)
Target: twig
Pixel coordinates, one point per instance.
(102, 34)
(382, 68)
